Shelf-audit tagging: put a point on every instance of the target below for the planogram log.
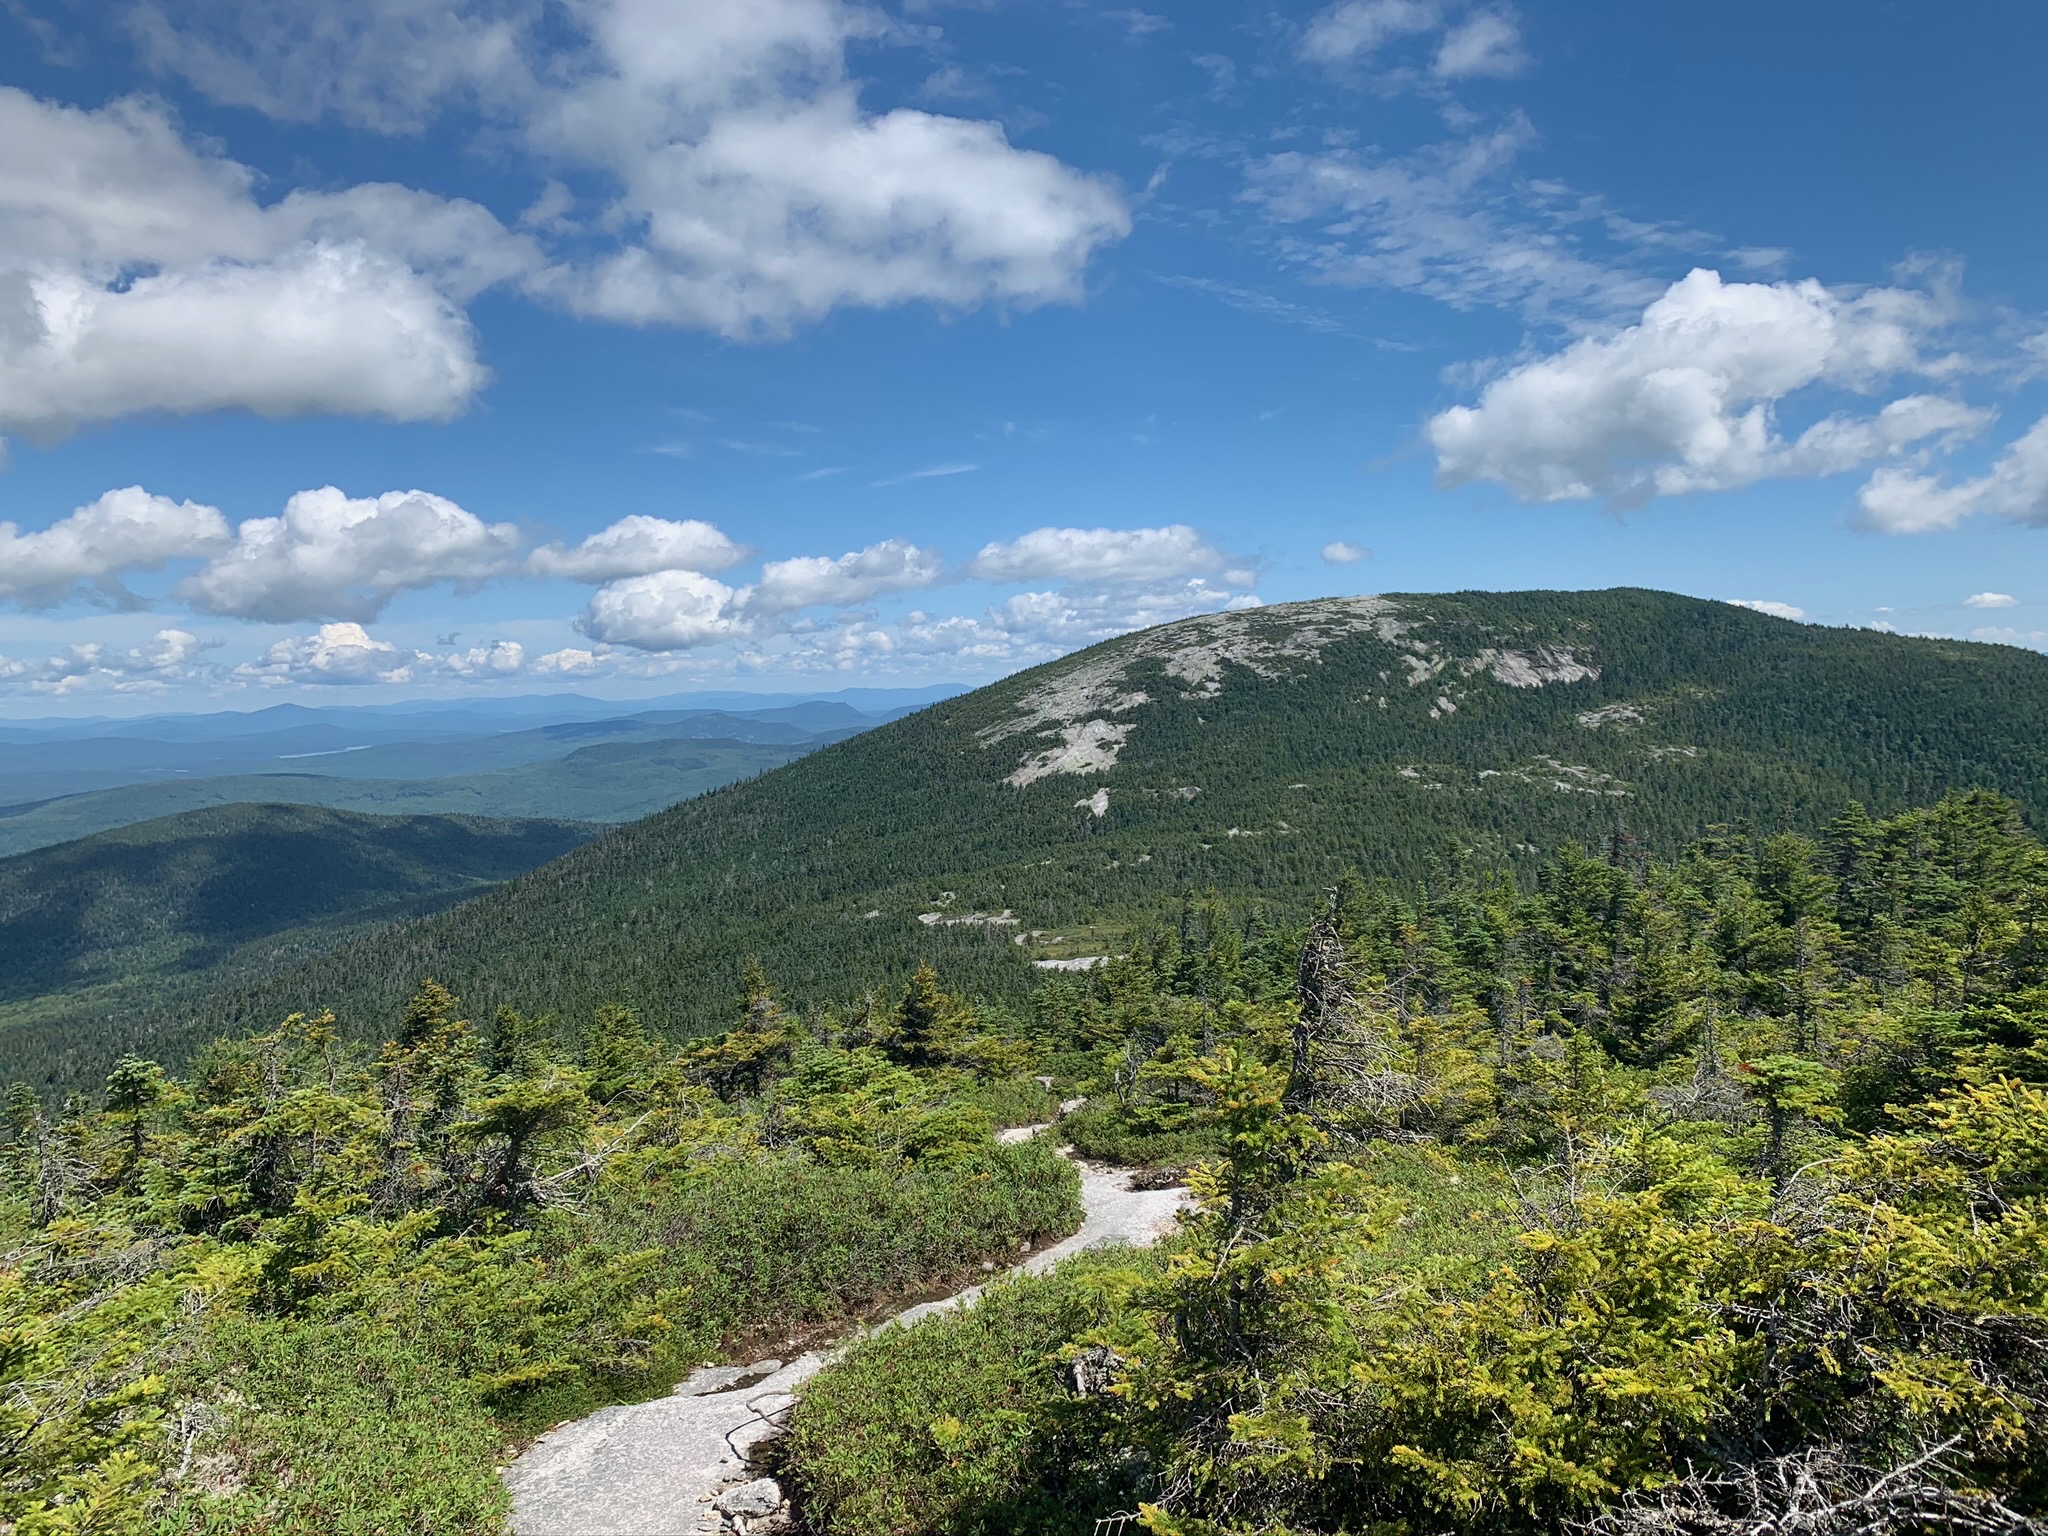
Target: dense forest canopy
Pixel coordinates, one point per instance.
(1687, 1193)
(181, 892)
(1428, 741)
(147, 920)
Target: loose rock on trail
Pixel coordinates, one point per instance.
(679, 1466)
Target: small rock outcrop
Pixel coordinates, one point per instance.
(754, 1508)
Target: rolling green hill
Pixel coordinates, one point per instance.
(609, 781)
(1262, 754)
(137, 918)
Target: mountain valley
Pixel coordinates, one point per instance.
(1260, 755)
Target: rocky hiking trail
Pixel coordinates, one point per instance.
(680, 1465)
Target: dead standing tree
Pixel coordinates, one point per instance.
(1344, 1073)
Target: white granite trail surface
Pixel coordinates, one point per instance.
(678, 1466)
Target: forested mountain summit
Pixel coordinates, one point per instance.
(1259, 754)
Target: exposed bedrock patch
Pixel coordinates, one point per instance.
(1079, 720)
(1534, 668)
(1089, 747)
(1071, 710)
(1612, 714)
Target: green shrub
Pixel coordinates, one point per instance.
(962, 1424)
(1454, 1223)
(329, 1429)
(1110, 1134)
(1013, 1100)
(790, 1243)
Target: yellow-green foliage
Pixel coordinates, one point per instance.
(1672, 1199)
(1662, 1199)
(315, 1290)
(966, 1427)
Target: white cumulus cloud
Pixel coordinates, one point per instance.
(760, 193)
(334, 556)
(1906, 499)
(638, 546)
(1991, 600)
(674, 610)
(348, 655)
(1684, 399)
(124, 530)
(771, 220)
(334, 653)
(1764, 605)
(322, 329)
(1024, 628)
(138, 274)
(665, 611)
(1056, 621)
(166, 658)
(1339, 552)
(1105, 556)
(501, 658)
(894, 565)
(570, 661)
(727, 176)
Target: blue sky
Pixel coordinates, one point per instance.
(635, 345)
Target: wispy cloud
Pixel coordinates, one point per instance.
(1222, 72)
(673, 450)
(764, 450)
(1767, 259)
(1453, 221)
(936, 472)
(2035, 639)
(1138, 25)
(820, 474)
(1486, 45)
(1253, 302)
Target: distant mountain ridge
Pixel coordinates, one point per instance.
(607, 781)
(410, 717)
(111, 925)
(62, 786)
(1262, 754)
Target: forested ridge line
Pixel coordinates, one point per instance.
(844, 869)
(1291, 766)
